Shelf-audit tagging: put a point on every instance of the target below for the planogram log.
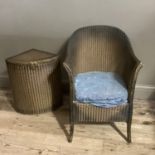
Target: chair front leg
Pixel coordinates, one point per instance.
(129, 122)
(129, 131)
(71, 132)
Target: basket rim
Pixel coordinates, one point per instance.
(52, 57)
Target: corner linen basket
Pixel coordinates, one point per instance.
(35, 80)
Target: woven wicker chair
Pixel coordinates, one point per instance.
(101, 48)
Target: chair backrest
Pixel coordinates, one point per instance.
(98, 48)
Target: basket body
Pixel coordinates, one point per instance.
(36, 86)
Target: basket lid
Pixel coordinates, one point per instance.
(32, 55)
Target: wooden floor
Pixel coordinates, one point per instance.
(44, 134)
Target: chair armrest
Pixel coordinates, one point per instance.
(132, 74)
(71, 81)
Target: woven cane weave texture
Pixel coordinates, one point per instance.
(102, 48)
(34, 77)
(86, 113)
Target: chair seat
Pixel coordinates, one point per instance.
(102, 89)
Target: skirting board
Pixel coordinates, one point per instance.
(141, 91)
(145, 92)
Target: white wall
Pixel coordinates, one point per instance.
(45, 24)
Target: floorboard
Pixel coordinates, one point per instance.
(44, 134)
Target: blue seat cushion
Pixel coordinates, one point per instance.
(102, 89)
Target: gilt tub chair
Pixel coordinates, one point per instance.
(101, 49)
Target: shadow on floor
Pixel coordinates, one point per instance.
(63, 121)
(6, 99)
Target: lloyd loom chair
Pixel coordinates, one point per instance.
(104, 49)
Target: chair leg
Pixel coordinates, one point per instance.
(71, 125)
(71, 132)
(129, 132)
